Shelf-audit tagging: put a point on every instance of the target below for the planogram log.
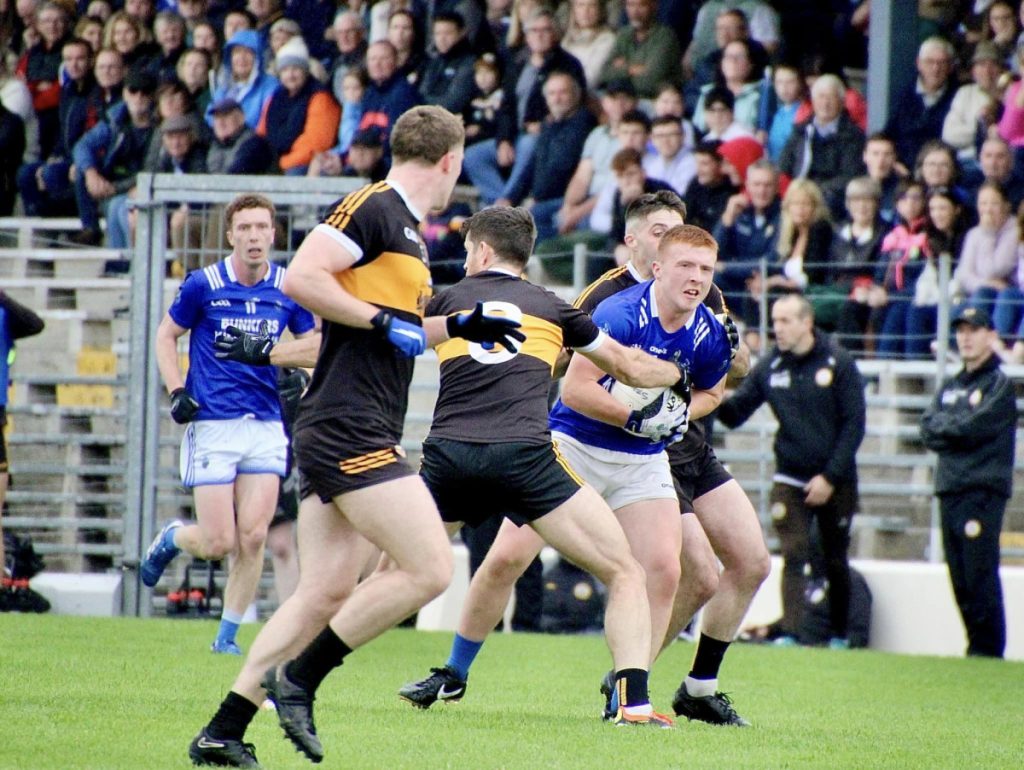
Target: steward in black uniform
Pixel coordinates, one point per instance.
(972, 425)
(818, 399)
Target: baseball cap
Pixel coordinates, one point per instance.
(986, 51)
(619, 86)
(368, 137)
(227, 104)
(974, 316)
(140, 82)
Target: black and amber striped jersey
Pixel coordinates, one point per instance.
(492, 395)
(614, 281)
(359, 376)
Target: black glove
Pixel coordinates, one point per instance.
(477, 327)
(236, 345)
(732, 333)
(184, 408)
(291, 386)
(684, 387)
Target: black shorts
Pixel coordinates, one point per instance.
(697, 477)
(3, 439)
(332, 463)
(287, 499)
(472, 482)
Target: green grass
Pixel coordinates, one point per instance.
(121, 693)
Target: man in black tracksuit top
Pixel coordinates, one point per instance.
(972, 425)
(817, 394)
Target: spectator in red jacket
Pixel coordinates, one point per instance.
(39, 67)
(300, 120)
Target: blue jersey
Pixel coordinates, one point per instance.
(212, 299)
(631, 318)
(6, 344)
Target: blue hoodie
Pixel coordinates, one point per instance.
(255, 92)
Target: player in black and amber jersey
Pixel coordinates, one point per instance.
(363, 272)
(489, 451)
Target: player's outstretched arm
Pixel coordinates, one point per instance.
(630, 366)
(476, 326)
(247, 348)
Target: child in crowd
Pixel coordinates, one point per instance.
(481, 115)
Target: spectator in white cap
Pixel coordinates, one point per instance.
(300, 120)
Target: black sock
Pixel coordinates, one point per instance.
(708, 659)
(232, 718)
(636, 686)
(323, 654)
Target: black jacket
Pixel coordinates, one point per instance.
(558, 60)
(447, 79)
(818, 399)
(835, 159)
(972, 425)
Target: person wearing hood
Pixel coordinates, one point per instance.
(447, 77)
(249, 85)
(300, 120)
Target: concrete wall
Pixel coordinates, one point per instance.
(912, 611)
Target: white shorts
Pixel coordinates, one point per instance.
(619, 477)
(216, 451)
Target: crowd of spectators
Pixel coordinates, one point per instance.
(572, 108)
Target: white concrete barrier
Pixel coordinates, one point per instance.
(72, 593)
(912, 611)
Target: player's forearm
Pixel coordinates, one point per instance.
(592, 400)
(740, 366)
(302, 352)
(436, 328)
(640, 370)
(703, 403)
(167, 361)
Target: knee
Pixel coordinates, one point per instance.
(434, 579)
(699, 581)
(663, 573)
(217, 543)
(504, 567)
(753, 570)
(251, 540)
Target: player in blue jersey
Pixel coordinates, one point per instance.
(234, 449)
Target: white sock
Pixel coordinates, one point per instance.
(700, 688)
(640, 711)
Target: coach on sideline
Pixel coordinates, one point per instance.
(813, 387)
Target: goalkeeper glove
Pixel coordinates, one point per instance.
(410, 339)
(477, 327)
(184, 408)
(253, 349)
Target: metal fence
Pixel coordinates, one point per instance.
(138, 443)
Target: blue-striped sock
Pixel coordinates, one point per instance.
(462, 655)
(229, 623)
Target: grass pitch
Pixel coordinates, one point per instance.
(123, 693)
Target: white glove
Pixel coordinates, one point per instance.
(666, 416)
